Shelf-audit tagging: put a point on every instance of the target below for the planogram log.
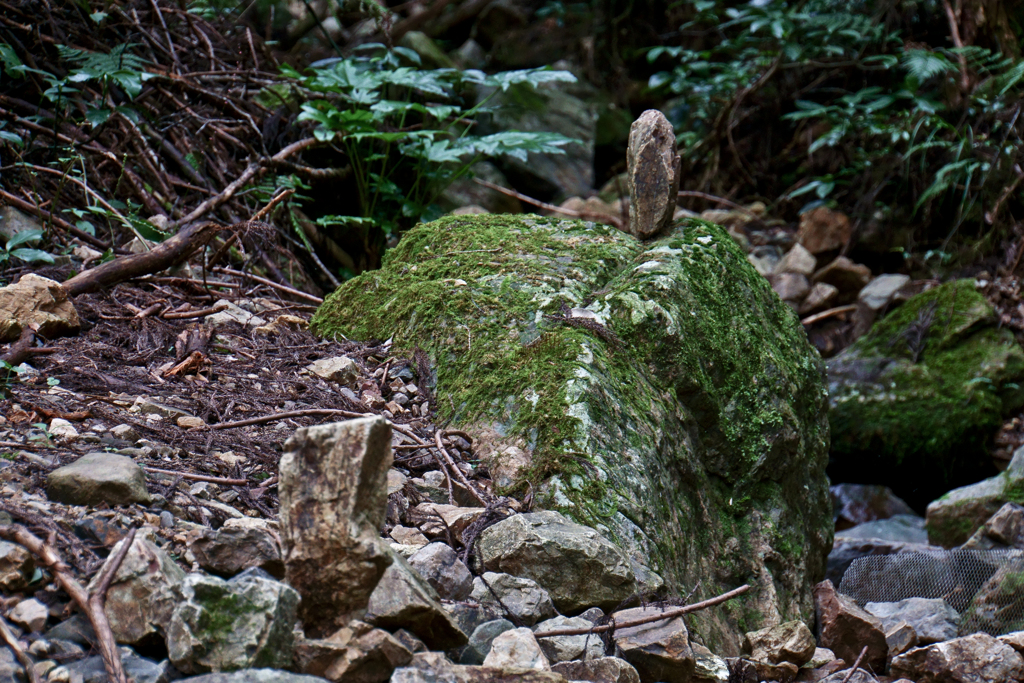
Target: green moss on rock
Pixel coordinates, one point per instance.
(666, 395)
(918, 398)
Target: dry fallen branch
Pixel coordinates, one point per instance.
(199, 477)
(19, 350)
(91, 604)
(839, 310)
(667, 614)
(7, 635)
(602, 217)
(165, 255)
(270, 283)
(455, 469)
(284, 416)
(856, 665)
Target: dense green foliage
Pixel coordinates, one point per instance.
(859, 112)
(406, 129)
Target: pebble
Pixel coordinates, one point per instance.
(166, 520)
(31, 614)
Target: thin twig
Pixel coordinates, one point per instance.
(607, 218)
(270, 283)
(455, 468)
(284, 416)
(200, 477)
(8, 637)
(667, 614)
(811, 319)
(185, 315)
(248, 174)
(718, 200)
(856, 665)
(62, 575)
(954, 33)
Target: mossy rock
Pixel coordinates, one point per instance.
(664, 394)
(915, 402)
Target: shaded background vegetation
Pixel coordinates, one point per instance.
(903, 115)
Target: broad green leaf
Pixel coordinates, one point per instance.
(32, 255)
(24, 237)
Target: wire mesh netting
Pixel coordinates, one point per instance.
(985, 587)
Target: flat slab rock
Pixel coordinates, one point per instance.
(577, 566)
(98, 478)
(978, 658)
(660, 389)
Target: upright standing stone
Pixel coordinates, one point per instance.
(333, 501)
(652, 174)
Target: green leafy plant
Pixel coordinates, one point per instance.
(407, 131)
(927, 134)
(13, 248)
(119, 68)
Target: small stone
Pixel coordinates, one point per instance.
(400, 398)
(846, 628)
(135, 607)
(340, 369)
(821, 657)
(402, 599)
(659, 650)
(873, 299)
(240, 544)
(481, 638)
(900, 638)
(652, 174)
(16, 567)
(191, 422)
(264, 637)
(98, 530)
(846, 276)
(153, 410)
(408, 536)
(233, 313)
(139, 669)
(797, 260)
(36, 302)
(603, 670)
(790, 286)
(523, 598)
(791, 641)
(568, 648)
(575, 564)
(202, 490)
(822, 229)
(819, 298)
(63, 430)
(125, 433)
(30, 614)
(933, 620)
(166, 520)
(97, 478)
(442, 569)
(1004, 529)
(41, 669)
(707, 666)
(517, 649)
(978, 658)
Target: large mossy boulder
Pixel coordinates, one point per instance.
(659, 392)
(915, 402)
